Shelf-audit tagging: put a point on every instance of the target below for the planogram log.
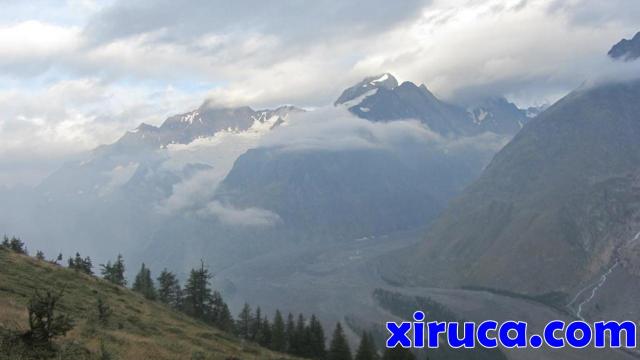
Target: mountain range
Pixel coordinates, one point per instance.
(558, 206)
(555, 206)
(482, 207)
(215, 177)
(380, 98)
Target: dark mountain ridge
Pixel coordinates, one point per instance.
(626, 50)
(380, 98)
(554, 206)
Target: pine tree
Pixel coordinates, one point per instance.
(264, 334)
(339, 348)
(216, 306)
(367, 349)
(225, 321)
(398, 353)
(290, 333)
(107, 271)
(298, 344)
(315, 339)
(278, 335)
(197, 293)
(245, 319)
(75, 263)
(256, 324)
(87, 266)
(169, 291)
(14, 244)
(40, 255)
(44, 324)
(144, 284)
(114, 272)
(80, 264)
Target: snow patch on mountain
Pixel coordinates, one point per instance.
(382, 78)
(359, 99)
(219, 152)
(478, 115)
(190, 117)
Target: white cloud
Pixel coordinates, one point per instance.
(336, 129)
(324, 129)
(77, 73)
(47, 125)
(193, 195)
(497, 47)
(229, 215)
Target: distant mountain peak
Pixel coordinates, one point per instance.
(368, 85)
(626, 50)
(497, 114)
(202, 122)
(144, 127)
(385, 80)
(381, 98)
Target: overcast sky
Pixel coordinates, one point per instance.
(78, 73)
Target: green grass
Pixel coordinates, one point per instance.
(137, 328)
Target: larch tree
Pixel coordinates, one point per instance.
(144, 283)
(339, 348)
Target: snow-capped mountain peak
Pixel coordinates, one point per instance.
(367, 86)
(201, 123)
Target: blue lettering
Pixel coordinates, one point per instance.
(398, 334)
(509, 327)
(583, 329)
(483, 334)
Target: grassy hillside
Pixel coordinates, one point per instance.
(137, 328)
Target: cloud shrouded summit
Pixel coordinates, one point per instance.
(76, 74)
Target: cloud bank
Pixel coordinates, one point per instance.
(323, 129)
(77, 73)
(336, 129)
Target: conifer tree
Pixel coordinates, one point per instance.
(245, 319)
(79, 264)
(278, 335)
(40, 255)
(14, 244)
(75, 263)
(339, 348)
(256, 324)
(197, 293)
(169, 291)
(144, 284)
(290, 332)
(225, 320)
(367, 349)
(219, 313)
(315, 339)
(44, 323)
(299, 343)
(114, 272)
(264, 334)
(87, 265)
